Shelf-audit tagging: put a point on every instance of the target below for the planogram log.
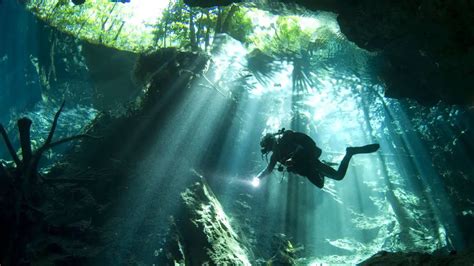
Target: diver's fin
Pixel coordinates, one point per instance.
(363, 149)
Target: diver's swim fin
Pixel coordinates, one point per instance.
(363, 149)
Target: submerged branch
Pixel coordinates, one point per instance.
(24, 126)
(45, 147)
(51, 145)
(9, 145)
(53, 127)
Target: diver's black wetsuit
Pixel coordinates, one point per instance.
(304, 155)
(299, 153)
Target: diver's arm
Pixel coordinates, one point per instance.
(269, 167)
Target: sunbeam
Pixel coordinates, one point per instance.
(246, 133)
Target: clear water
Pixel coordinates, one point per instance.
(409, 196)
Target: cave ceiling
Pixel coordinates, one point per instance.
(427, 46)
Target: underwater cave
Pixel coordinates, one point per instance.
(192, 132)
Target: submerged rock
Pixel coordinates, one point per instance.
(416, 258)
(204, 234)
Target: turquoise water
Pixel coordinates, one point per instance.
(411, 195)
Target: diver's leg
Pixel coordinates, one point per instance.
(328, 171)
(309, 170)
(341, 171)
(316, 179)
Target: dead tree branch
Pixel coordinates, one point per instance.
(48, 144)
(28, 165)
(24, 130)
(53, 127)
(26, 192)
(9, 145)
(51, 145)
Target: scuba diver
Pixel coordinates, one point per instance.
(299, 153)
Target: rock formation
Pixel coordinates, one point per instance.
(426, 47)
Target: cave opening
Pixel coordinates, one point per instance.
(174, 99)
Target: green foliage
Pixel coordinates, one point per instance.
(172, 27)
(289, 38)
(185, 27)
(178, 25)
(194, 28)
(240, 26)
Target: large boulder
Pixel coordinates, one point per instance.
(202, 234)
